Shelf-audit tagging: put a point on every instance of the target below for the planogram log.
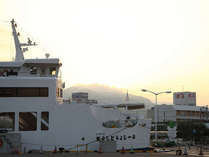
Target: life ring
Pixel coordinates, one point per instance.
(1, 142)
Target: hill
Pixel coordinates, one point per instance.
(106, 95)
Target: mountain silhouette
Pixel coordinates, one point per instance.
(106, 95)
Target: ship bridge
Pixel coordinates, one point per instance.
(46, 67)
(31, 67)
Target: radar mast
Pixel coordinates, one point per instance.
(19, 57)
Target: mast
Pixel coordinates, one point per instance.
(18, 46)
(127, 96)
(19, 54)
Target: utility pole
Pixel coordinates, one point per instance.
(155, 108)
(201, 151)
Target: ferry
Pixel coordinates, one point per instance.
(32, 104)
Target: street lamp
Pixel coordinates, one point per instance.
(155, 111)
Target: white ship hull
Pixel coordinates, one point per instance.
(69, 123)
(31, 99)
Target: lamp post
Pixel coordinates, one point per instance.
(155, 111)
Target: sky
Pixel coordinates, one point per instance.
(158, 45)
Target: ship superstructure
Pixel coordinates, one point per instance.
(31, 102)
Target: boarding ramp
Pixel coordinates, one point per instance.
(107, 146)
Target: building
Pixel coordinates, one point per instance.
(82, 97)
(179, 113)
(184, 98)
(173, 114)
(183, 109)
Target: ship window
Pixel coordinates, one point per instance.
(24, 92)
(27, 121)
(11, 72)
(44, 120)
(7, 121)
(57, 92)
(7, 92)
(33, 70)
(43, 92)
(28, 92)
(52, 71)
(61, 93)
(43, 71)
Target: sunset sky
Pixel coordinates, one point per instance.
(130, 44)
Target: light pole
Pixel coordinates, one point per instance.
(155, 109)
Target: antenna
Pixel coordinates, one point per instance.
(19, 54)
(47, 55)
(127, 96)
(29, 41)
(18, 46)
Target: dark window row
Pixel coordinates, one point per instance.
(24, 92)
(27, 121)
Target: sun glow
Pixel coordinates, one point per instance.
(128, 44)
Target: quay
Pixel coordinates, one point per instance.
(171, 152)
(99, 155)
